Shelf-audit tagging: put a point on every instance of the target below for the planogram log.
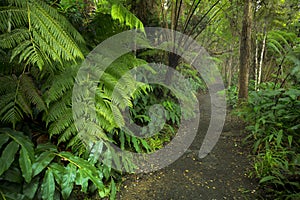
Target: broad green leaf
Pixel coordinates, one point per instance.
(25, 164)
(145, 145)
(12, 196)
(30, 189)
(117, 161)
(58, 171)
(96, 151)
(3, 139)
(107, 158)
(87, 168)
(48, 185)
(279, 137)
(290, 140)
(42, 161)
(24, 141)
(8, 156)
(82, 180)
(13, 175)
(68, 180)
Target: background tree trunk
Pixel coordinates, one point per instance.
(262, 57)
(245, 51)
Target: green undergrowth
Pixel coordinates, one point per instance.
(273, 117)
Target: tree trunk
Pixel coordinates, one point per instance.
(262, 57)
(245, 51)
(230, 69)
(256, 64)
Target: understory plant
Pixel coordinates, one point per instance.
(44, 172)
(273, 114)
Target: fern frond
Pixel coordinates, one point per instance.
(20, 3)
(15, 16)
(12, 39)
(68, 135)
(19, 96)
(61, 84)
(40, 35)
(29, 89)
(77, 145)
(63, 22)
(28, 51)
(58, 108)
(62, 123)
(119, 12)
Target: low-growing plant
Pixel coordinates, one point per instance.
(42, 172)
(172, 115)
(273, 114)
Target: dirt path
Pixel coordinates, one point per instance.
(223, 174)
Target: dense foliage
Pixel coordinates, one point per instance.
(41, 53)
(42, 155)
(274, 128)
(44, 42)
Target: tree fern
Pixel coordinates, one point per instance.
(113, 94)
(40, 34)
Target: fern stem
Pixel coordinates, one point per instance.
(2, 195)
(29, 19)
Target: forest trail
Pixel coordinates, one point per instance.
(223, 174)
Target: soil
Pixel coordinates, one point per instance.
(222, 174)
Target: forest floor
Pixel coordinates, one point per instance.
(223, 174)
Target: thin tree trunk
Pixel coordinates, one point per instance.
(256, 64)
(262, 57)
(245, 51)
(230, 70)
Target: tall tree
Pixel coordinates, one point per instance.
(245, 51)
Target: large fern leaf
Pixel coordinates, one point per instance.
(40, 35)
(119, 12)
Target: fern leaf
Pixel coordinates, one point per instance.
(67, 135)
(30, 91)
(61, 123)
(57, 109)
(61, 84)
(16, 16)
(12, 39)
(40, 34)
(119, 12)
(50, 29)
(19, 101)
